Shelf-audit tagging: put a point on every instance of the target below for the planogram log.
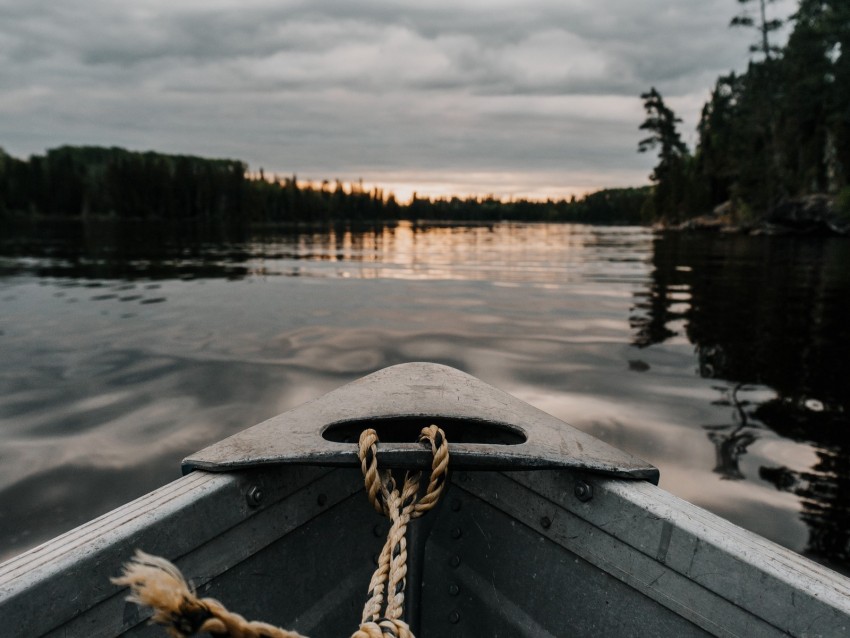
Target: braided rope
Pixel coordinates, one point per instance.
(439, 468)
(378, 484)
(384, 628)
(156, 583)
(369, 465)
(389, 579)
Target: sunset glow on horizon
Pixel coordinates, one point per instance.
(500, 186)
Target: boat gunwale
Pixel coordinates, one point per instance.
(99, 547)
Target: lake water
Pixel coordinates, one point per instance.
(723, 360)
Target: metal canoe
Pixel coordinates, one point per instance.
(557, 546)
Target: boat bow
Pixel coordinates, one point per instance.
(488, 429)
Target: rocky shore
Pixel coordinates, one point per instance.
(812, 214)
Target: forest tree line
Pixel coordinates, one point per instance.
(776, 133)
(113, 182)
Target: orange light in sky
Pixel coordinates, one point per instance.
(500, 185)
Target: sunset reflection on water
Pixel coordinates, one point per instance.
(539, 255)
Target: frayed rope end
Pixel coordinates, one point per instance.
(157, 583)
(154, 582)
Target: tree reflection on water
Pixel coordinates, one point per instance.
(767, 312)
(732, 440)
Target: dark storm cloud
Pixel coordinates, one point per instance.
(338, 88)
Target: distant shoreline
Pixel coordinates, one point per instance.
(92, 181)
(19, 217)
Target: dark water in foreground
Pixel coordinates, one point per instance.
(722, 360)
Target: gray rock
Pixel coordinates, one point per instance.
(810, 213)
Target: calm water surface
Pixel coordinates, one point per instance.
(720, 359)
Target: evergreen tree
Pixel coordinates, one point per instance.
(764, 26)
(671, 173)
(761, 181)
(818, 83)
(719, 140)
(804, 111)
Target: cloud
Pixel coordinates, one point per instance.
(339, 88)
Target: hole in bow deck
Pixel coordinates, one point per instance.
(406, 430)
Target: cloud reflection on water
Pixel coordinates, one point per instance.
(112, 392)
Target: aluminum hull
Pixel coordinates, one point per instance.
(558, 551)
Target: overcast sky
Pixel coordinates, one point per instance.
(528, 97)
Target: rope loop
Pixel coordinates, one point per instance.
(390, 577)
(379, 484)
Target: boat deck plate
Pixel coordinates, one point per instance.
(486, 428)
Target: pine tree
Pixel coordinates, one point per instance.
(764, 26)
(719, 140)
(818, 108)
(671, 173)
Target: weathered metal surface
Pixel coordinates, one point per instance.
(681, 559)
(514, 554)
(506, 433)
(500, 575)
(314, 576)
(201, 521)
